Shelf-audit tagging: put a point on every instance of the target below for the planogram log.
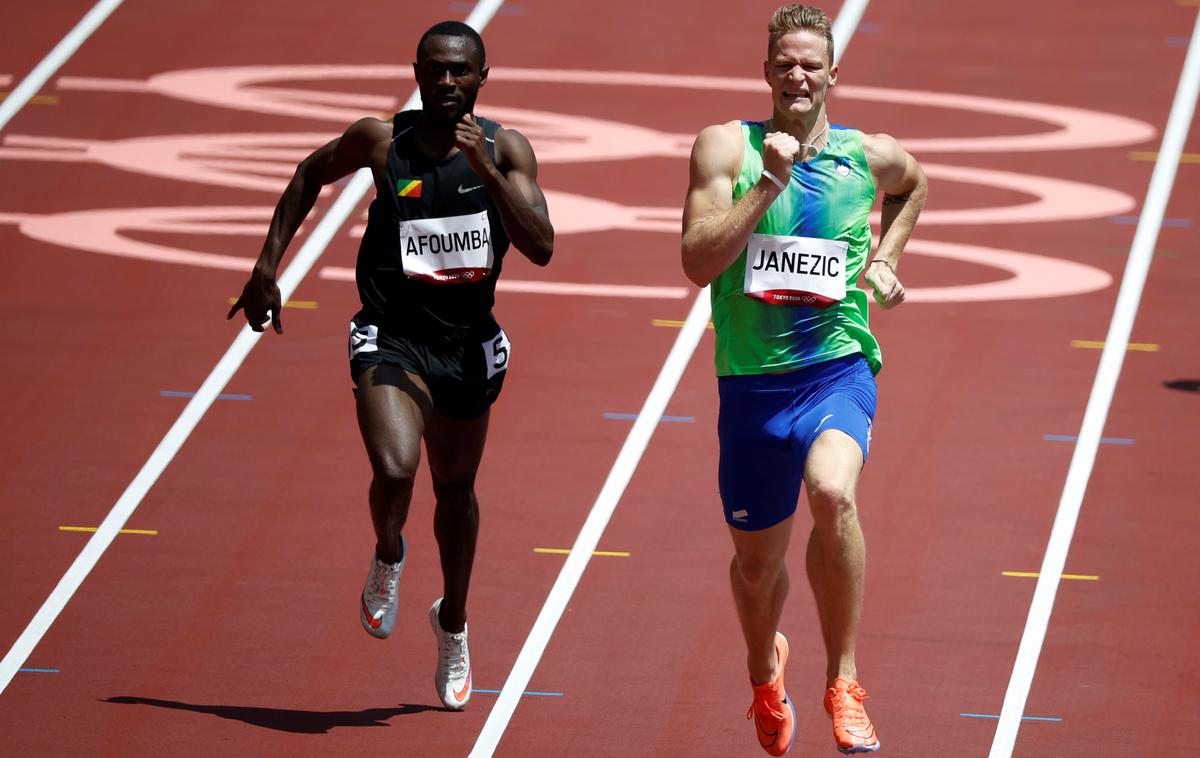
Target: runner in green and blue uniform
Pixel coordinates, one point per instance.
(776, 222)
(829, 198)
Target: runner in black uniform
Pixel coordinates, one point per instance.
(428, 291)
(426, 356)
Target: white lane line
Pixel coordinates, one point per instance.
(312, 249)
(845, 24)
(54, 61)
(593, 528)
(618, 478)
(1140, 254)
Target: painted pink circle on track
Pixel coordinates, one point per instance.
(259, 161)
(106, 232)
(1031, 276)
(264, 89)
(1057, 199)
(101, 231)
(265, 161)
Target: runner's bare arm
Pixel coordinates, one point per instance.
(715, 229)
(512, 184)
(356, 148)
(904, 190)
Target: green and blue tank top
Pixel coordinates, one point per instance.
(826, 206)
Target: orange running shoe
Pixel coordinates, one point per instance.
(772, 711)
(852, 729)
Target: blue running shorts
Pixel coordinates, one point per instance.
(767, 424)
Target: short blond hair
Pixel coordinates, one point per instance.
(800, 18)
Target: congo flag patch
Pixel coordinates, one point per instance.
(408, 187)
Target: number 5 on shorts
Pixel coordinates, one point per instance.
(496, 352)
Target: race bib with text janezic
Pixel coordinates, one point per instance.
(784, 270)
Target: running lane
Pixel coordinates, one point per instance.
(232, 630)
(235, 624)
(1109, 667)
(962, 482)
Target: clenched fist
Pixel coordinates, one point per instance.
(780, 150)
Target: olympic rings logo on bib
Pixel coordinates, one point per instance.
(449, 250)
(783, 270)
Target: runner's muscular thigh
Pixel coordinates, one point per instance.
(834, 463)
(394, 407)
(455, 449)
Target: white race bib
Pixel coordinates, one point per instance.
(364, 338)
(795, 270)
(496, 352)
(450, 250)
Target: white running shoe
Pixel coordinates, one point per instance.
(453, 677)
(377, 607)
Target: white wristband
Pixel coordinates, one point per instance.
(774, 179)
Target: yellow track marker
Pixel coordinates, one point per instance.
(1188, 3)
(1145, 347)
(36, 99)
(304, 305)
(1149, 155)
(564, 551)
(1035, 574)
(94, 528)
(670, 322)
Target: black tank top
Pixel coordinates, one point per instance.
(434, 243)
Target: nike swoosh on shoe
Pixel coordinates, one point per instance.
(764, 733)
(462, 694)
(366, 612)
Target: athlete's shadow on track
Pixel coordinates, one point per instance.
(285, 719)
(1187, 385)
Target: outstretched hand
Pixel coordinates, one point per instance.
(888, 290)
(260, 302)
(469, 138)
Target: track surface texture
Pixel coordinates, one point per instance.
(135, 190)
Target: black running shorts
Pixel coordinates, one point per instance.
(464, 374)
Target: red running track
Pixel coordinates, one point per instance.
(232, 631)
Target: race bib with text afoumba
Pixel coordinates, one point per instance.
(449, 250)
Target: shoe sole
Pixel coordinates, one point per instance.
(864, 749)
(791, 708)
(786, 699)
